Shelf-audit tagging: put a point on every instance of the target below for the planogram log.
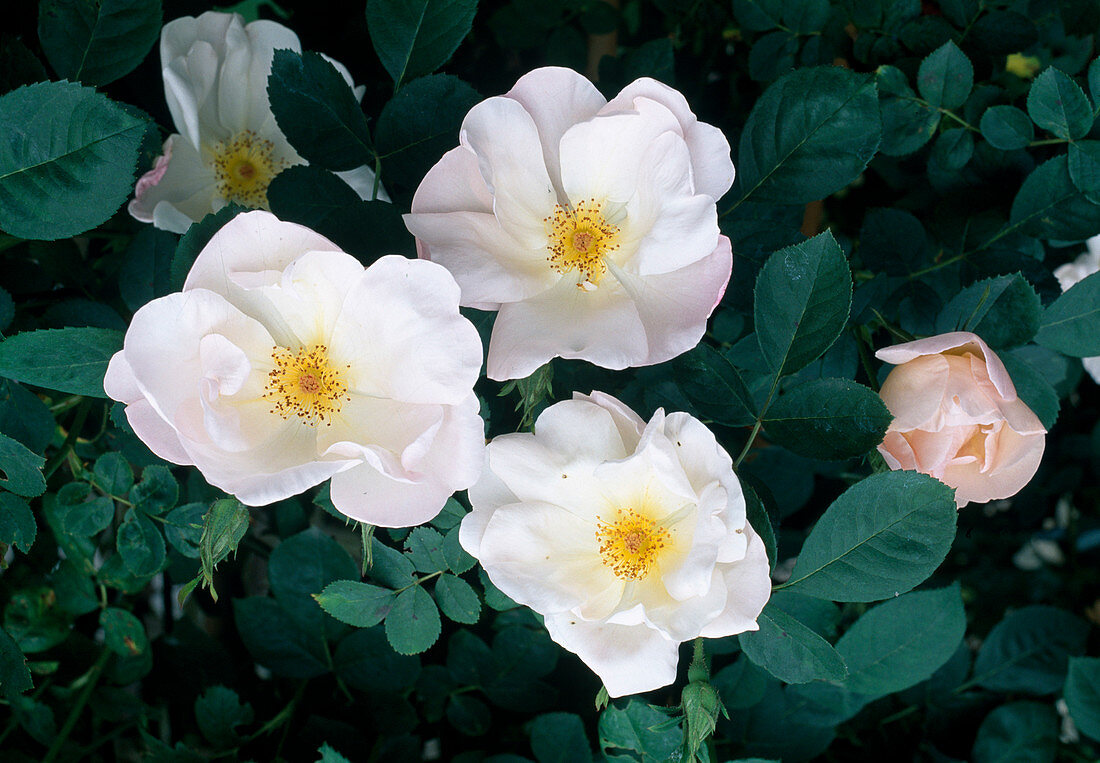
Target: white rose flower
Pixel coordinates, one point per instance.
(1084, 266)
(590, 225)
(228, 147)
(283, 362)
(629, 538)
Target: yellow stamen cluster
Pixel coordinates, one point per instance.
(631, 544)
(244, 167)
(306, 385)
(580, 238)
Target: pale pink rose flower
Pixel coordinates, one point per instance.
(957, 418)
(628, 537)
(1069, 274)
(283, 363)
(591, 226)
(227, 147)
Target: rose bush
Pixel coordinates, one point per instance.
(957, 418)
(628, 537)
(590, 225)
(259, 375)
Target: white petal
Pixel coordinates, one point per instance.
(157, 434)
(185, 191)
(556, 98)
(510, 157)
(367, 495)
(489, 264)
(710, 151)
(421, 349)
(601, 327)
(454, 184)
(543, 556)
(629, 424)
(265, 37)
(361, 179)
(748, 586)
(602, 158)
(673, 307)
(628, 658)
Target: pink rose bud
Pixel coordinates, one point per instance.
(957, 418)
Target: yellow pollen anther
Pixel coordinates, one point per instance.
(306, 385)
(631, 544)
(579, 239)
(244, 167)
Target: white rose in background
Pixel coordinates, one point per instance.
(228, 147)
(629, 538)
(283, 362)
(1084, 266)
(590, 225)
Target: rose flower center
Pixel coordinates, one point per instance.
(579, 238)
(244, 168)
(305, 384)
(631, 544)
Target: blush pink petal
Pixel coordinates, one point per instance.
(183, 191)
(959, 342)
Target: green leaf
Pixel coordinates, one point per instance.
(113, 474)
(830, 419)
(907, 123)
(146, 271)
(893, 241)
(223, 526)
(952, 150)
(880, 538)
(70, 360)
(317, 111)
(359, 604)
(319, 200)
(99, 42)
(157, 492)
(55, 182)
(946, 77)
(24, 417)
(457, 559)
(1049, 206)
(789, 650)
(713, 386)
(124, 633)
(468, 714)
(639, 728)
(457, 599)
(1058, 104)
(183, 528)
(415, 37)
(425, 549)
(275, 641)
(389, 566)
(1082, 693)
(559, 738)
(365, 661)
(82, 512)
(903, 641)
(1029, 651)
(1084, 168)
(20, 469)
(757, 515)
(329, 755)
(1004, 311)
(17, 525)
(140, 545)
(1033, 388)
(1018, 732)
(219, 712)
(301, 566)
(1071, 325)
(413, 625)
(802, 298)
(15, 678)
(1007, 128)
(812, 133)
(419, 125)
